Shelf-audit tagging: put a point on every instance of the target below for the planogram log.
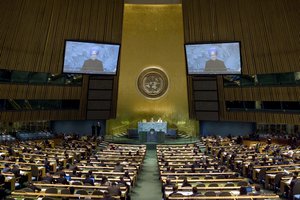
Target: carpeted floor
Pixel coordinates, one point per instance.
(148, 185)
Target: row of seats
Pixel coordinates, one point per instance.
(179, 181)
(86, 150)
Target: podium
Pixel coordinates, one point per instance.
(152, 132)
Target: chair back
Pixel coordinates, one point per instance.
(77, 183)
(51, 191)
(47, 198)
(242, 183)
(225, 194)
(221, 176)
(26, 190)
(200, 185)
(83, 192)
(229, 184)
(65, 191)
(97, 192)
(210, 194)
(213, 185)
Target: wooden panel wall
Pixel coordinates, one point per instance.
(12, 116)
(33, 31)
(15, 91)
(32, 35)
(270, 43)
(262, 93)
(268, 30)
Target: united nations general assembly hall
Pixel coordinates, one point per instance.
(150, 99)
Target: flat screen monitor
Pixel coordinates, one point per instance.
(90, 57)
(213, 58)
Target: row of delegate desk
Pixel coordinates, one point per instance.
(180, 157)
(107, 156)
(33, 165)
(263, 166)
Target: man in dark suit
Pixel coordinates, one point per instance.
(292, 184)
(16, 170)
(214, 64)
(21, 159)
(167, 184)
(47, 165)
(10, 151)
(118, 167)
(93, 63)
(62, 180)
(107, 196)
(175, 191)
(101, 164)
(114, 189)
(33, 187)
(6, 168)
(98, 128)
(185, 183)
(2, 178)
(122, 182)
(88, 180)
(195, 192)
(93, 130)
(48, 178)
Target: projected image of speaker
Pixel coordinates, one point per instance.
(90, 57)
(213, 58)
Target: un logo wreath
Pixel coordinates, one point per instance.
(153, 83)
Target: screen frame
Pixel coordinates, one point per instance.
(212, 43)
(91, 42)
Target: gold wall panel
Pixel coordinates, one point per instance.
(152, 37)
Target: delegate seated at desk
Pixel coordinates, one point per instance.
(289, 189)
